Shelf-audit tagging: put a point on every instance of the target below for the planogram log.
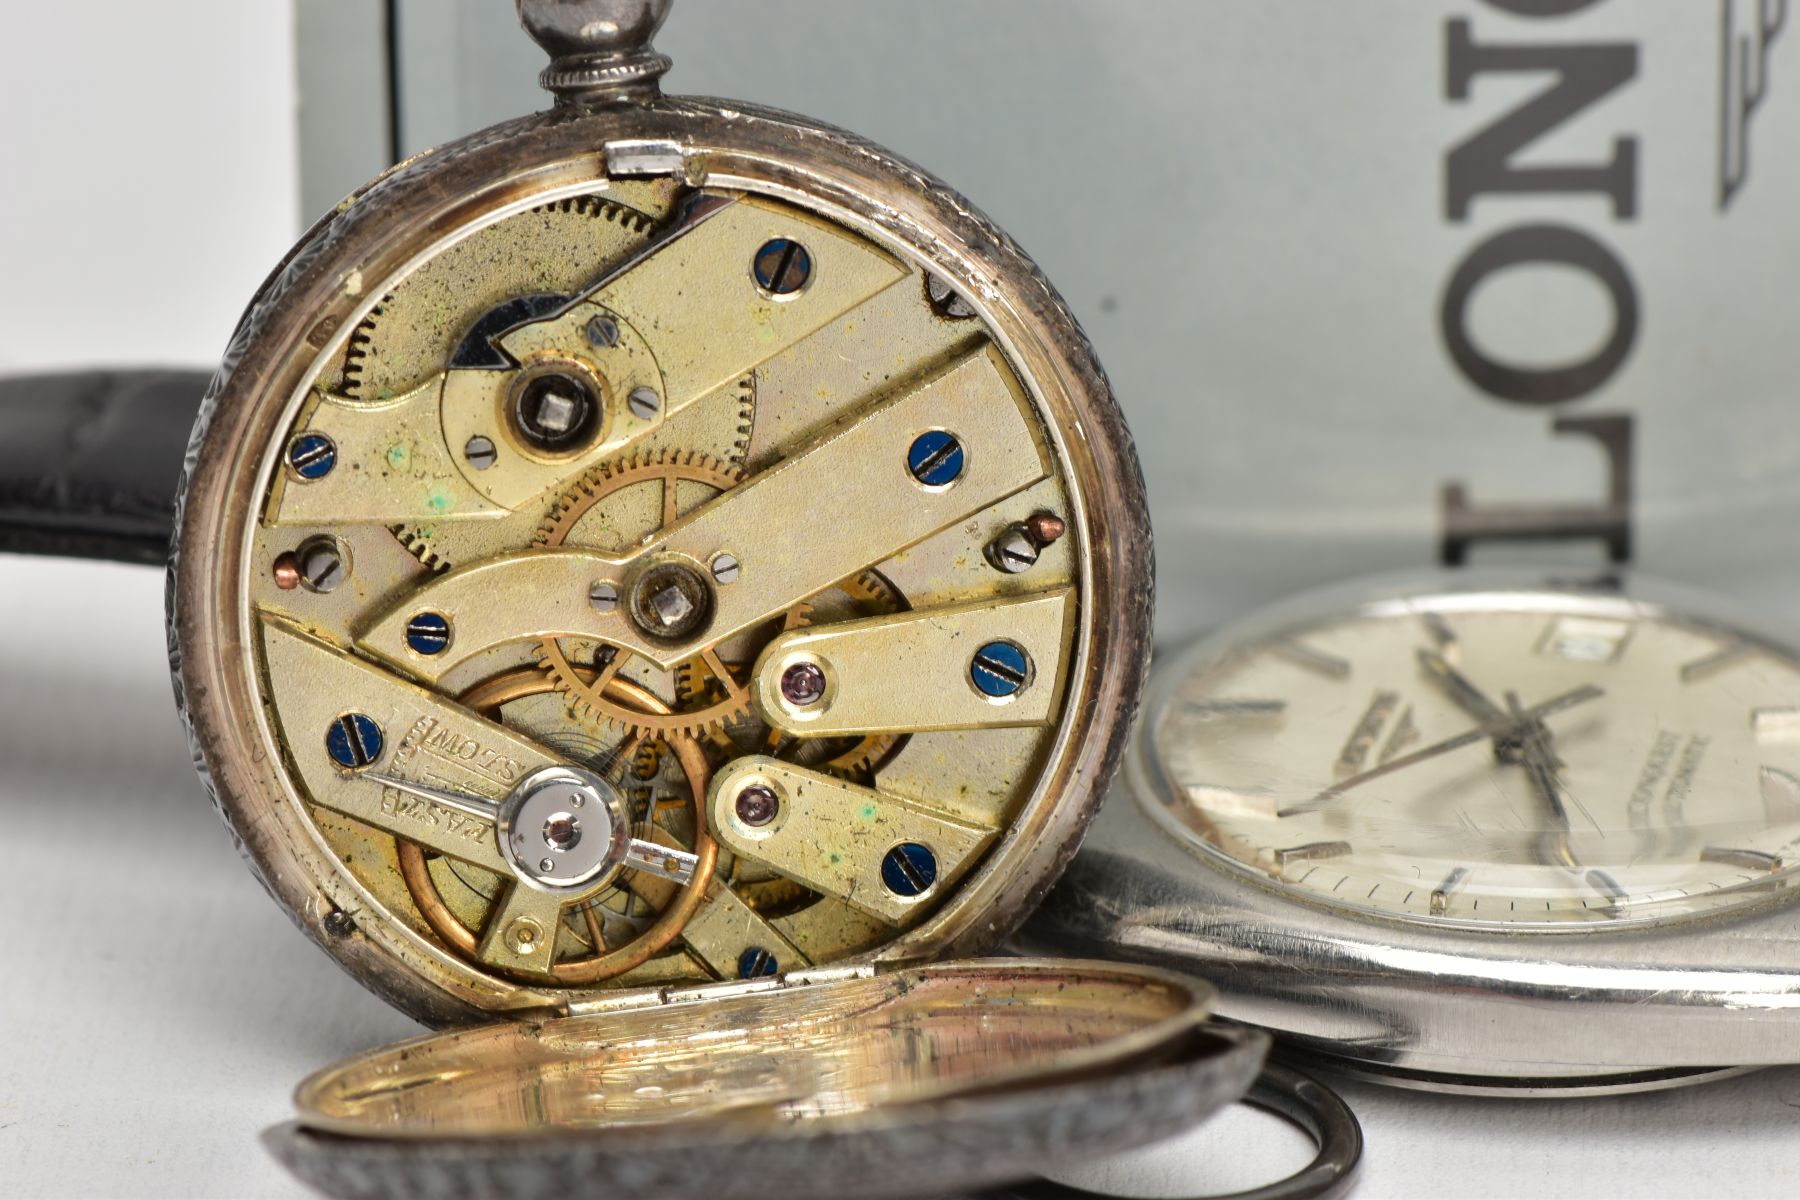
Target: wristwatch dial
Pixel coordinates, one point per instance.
(1507, 758)
(650, 573)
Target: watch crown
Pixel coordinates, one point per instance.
(599, 49)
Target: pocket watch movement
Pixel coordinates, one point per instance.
(651, 543)
(1485, 832)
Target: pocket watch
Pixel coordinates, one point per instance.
(654, 583)
(1483, 833)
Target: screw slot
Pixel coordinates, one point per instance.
(644, 403)
(909, 869)
(755, 962)
(428, 633)
(312, 455)
(935, 458)
(353, 741)
(1000, 670)
(782, 267)
(480, 452)
(603, 332)
(946, 301)
(1013, 551)
(323, 564)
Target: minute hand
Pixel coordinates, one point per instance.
(1555, 704)
(824, 514)
(1463, 691)
(1541, 764)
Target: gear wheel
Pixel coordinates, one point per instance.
(420, 546)
(865, 594)
(557, 247)
(447, 544)
(669, 468)
(585, 517)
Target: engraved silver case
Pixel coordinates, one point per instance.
(305, 305)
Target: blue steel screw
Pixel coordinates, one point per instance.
(428, 633)
(312, 455)
(935, 458)
(782, 267)
(755, 962)
(909, 869)
(999, 669)
(353, 741)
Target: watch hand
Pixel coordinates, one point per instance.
(1555, 704)
(1463, 691)
(1553, 843)
(1541, 763)
(463, 802)
(665, 862)
(1513, 731)
(640, 853)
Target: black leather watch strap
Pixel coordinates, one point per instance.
(89, 461)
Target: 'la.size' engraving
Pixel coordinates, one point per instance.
(396, 803)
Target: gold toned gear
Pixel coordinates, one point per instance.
(488, 697)
(667, 467)
(557, 248)
(714, 692)
(419, 545)
(439, 546)
(746, 419)
(846, 758)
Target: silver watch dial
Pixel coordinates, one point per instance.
(1509, 758)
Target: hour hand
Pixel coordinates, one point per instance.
(1536, 713)
(1463, 691)
(1541, 764)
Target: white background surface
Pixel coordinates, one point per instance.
(155, 1006)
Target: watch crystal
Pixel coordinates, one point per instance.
(1517, 758)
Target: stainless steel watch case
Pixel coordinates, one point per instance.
(1440, 1007)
